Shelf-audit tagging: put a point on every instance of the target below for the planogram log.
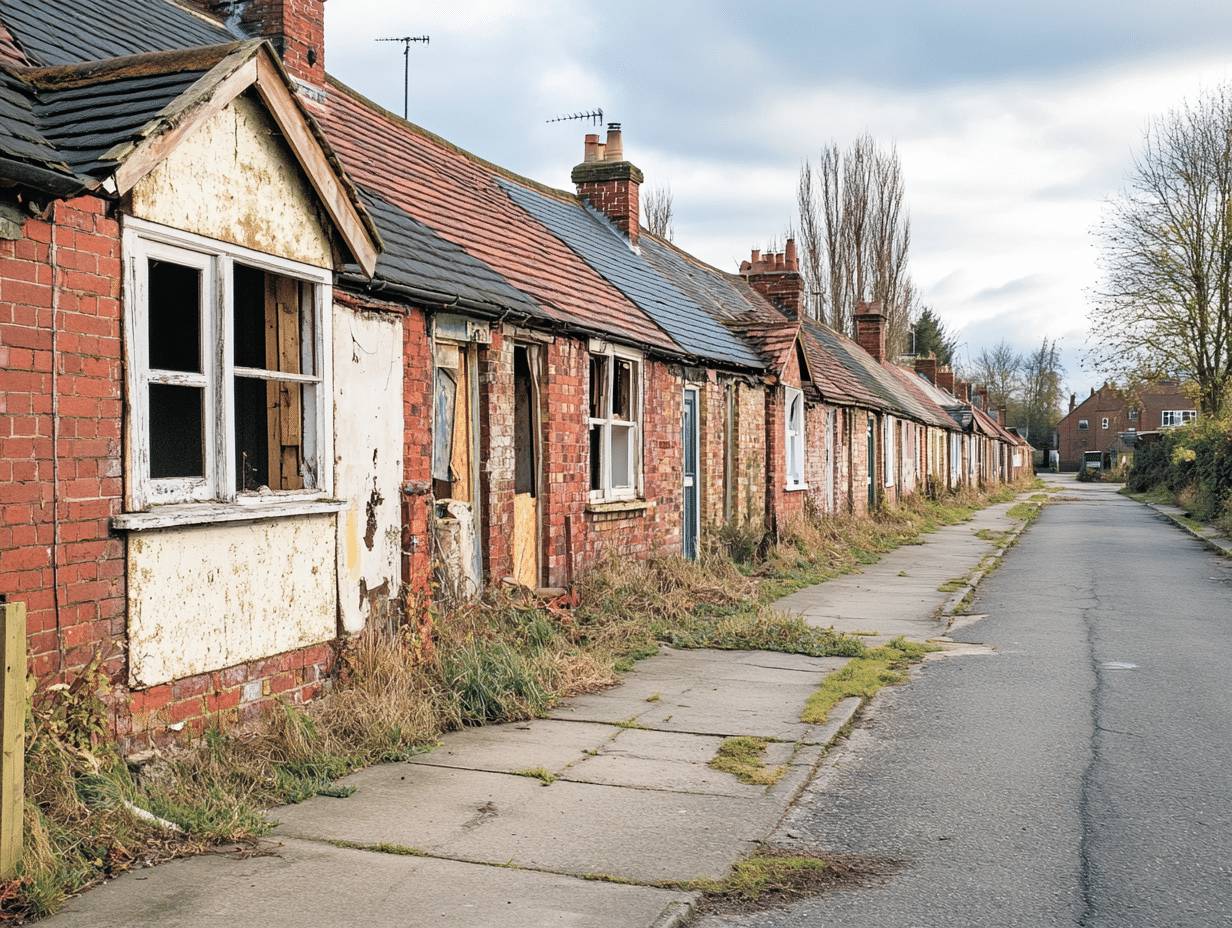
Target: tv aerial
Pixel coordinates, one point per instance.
(595, 115)
(406, 41)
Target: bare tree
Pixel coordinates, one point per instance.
(1165, 307)
(657, 211)
(854, 236)
(998, 369)
(1040, 395)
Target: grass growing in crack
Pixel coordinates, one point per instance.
(398, 850)
(864, 676)
(991, 535)
(536, 773)
(742, 758)
(952, 585)
(1027, 511)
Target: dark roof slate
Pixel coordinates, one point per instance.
(55, 32)
(595, 239)
(417, 257)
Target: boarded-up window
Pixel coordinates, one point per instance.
(273, 344)
(453, 422)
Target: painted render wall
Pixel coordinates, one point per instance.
(368, 467)
(235, 180)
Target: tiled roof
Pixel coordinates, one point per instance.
(723, 296)
(594, 238)
(844, 372)
(22, 144)
(54, 32)
(917, 387)
(774, 341)
(457, 196)
(93, 113)
(417, 257)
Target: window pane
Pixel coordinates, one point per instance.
(596, 457)
(251, 435)
(174, 317)
(622, 447)
(270, 330)
(176, 433)
(622, 393)
(598, 388)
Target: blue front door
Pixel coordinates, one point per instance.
(689, 498)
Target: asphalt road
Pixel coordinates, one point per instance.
(1077, 773)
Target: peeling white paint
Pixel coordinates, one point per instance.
(368, 467)
(209, 597)
(236, 180)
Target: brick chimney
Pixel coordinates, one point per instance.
(296, 29)
(927, 367)
(1001, 416)
(945, 379)
(777, 277)
(610, 182)
(870, 329)
(981, 397)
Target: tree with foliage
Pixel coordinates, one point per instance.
(929, 336)
(1165, 308)
(853, 238)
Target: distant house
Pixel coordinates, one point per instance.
(1107, 420)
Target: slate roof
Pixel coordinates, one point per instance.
(418, 258)
(918, 387)
(722, 295)
(57, 32)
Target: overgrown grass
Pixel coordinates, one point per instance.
(504, 658)
(742, 758)
(864, 676)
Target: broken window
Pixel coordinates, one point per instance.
(453, 423)
(224, 370)
(615, 409)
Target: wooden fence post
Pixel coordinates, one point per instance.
(13, 722)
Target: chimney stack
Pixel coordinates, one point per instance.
(777, 277)
(927, 367)
(945, 380)
(870, 329)
(296, 29)
(609, 182)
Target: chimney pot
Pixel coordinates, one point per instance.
(791, 255)
(756, 256)
(614, 150)
(592, 148)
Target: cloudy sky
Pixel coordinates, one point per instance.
(1014, 122)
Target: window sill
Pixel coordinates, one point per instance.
(179, 516)
(795, 486)
(619, 506)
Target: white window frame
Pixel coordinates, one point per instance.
(794, 417)
(1171, 418)
(606, 492)
(889, 448)
(1105, 423)
(1083, 425)
(144, 240)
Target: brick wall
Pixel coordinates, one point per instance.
(566, 457)
(295, 27)
(60, 447)
(781, 505)
(496, 456)
(417, 376)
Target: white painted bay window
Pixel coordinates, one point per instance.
(1174, 417)
(228, 373)
(615, 420)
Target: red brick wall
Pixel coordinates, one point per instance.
(417, 376)
(237, 694)
(293, 26)
(782, 505)
(60, 475)
(497, 456)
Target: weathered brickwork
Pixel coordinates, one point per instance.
(162, 714)
(60, 428)
(416, 452)
(497, 455)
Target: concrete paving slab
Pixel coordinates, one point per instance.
(647, 835)
(311, 885)
(516, 746)
(671, 762)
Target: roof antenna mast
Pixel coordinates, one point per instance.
(595, 115)
(406, 41)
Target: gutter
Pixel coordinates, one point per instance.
(358, 282)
